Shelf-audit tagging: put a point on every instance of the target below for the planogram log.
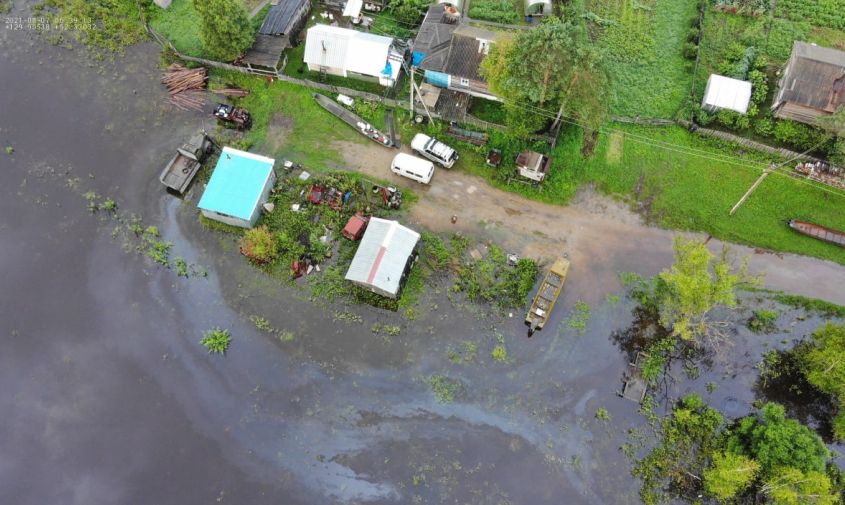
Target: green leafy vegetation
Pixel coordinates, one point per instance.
(763, 321)
(603, 415)
(820, 307)
(765, 454)
(580, 317)
(216, 340)
(109, 25)
(180, 24)
(492, 280)
(259, 245)
(225, 30)
(9, 150)
(408, 11)
(444, 388)
(830, 13)
(499, 354)
(644, 41)
(684, 295)
(500, 11)
(574, 79)
(822, 361)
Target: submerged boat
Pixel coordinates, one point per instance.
(353, 120)
(544, 300)
(820, 232)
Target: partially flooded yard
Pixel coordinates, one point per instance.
(109, 398)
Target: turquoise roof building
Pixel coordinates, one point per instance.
(239, 186)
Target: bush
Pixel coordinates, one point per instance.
(217, 340)
(690, 50)
(259, 245)
(798, 135)
(764, 126)
(763, 321)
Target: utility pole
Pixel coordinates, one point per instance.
(753, 187)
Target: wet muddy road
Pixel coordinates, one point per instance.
(108, 398)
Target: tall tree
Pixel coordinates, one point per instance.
(834, 124)
(730, 475)
(822, 361)
(697, 282)
(553, 66)
(224, 28)
(790, 486)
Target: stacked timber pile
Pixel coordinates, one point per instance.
(238, 92)
(186, 86)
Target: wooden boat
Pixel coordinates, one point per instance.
(353, 120)
(544, 300)
(820, 232)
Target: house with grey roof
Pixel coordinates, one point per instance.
(813, 84)
(458, 66)
(384, 258)
(278, 31)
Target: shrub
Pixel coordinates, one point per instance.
(764, 126)
(798, 135)
(690, 50)
(217, 340)
(259, 245)
(763, 321)
(499, 353)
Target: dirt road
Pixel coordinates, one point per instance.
(601, 236)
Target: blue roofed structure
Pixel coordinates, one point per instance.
(239, 186)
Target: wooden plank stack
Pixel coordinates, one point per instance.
(231, 92)
(186, 86)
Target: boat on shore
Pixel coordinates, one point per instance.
(544, 300)
(819, 232)
(354, 120)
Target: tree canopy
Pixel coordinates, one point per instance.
(764, 455)
(225, 29)
(553, 66)
(696, 283)
(775, 441)
(823, 363)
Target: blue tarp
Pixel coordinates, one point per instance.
(388, 69)
(416, 58)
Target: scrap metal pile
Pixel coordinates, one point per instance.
(186, 86)
(822, 172)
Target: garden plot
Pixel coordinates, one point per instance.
(645, 43)
(499, 11)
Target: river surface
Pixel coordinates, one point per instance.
(107, 396)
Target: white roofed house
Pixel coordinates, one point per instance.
(384, 258)
(349, 53)
(726, 93)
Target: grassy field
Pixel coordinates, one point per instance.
(645, 42)
(180, 25)
(689, 186)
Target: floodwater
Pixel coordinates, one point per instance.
(107, 396)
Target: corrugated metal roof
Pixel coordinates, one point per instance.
(434, 37)
(341, 48)
(727, 93)
(382, 255)
(236, 183)
(814, 78)
(282, 18)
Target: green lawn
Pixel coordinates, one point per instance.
(500, 11)
(180, 25)
(680, 190)
(644, 41)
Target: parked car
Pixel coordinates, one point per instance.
(434, 150)
(412, 167)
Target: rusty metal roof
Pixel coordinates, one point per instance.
(814, 78)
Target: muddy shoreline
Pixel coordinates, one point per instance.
(110, 398)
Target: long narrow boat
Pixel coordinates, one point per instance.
(353, 120)
(544, 300)
(820, 232)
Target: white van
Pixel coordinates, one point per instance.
(412, 167)
(434, 150)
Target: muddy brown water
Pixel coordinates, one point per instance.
(108, 397)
